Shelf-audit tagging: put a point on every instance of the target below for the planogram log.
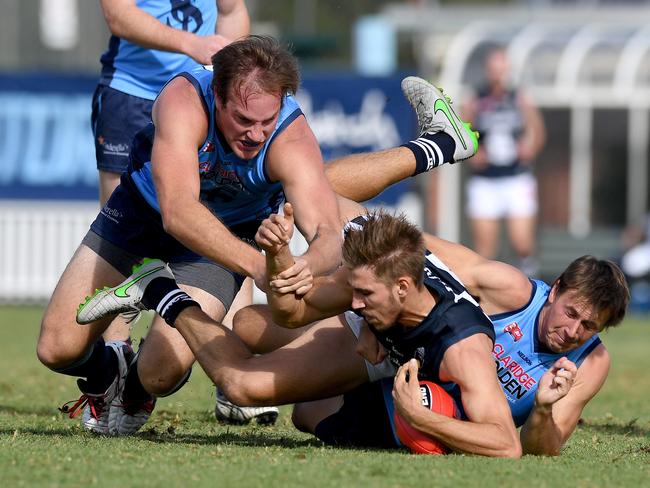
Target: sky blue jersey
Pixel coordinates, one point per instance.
(142, 72)
(520, 358)
(234, 189)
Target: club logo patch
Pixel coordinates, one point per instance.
(514, 330)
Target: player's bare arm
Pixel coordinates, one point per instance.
(489, 430)
(549, 426)
(126, 20)
(329, 295)
(294, 158)
(181, 127)
(233, 21)
(498, 286)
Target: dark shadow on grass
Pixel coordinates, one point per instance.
(251, 439)
(45, 432)
(32, 410)
(268, 438)
(629, 429)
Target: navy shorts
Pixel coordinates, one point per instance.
(127, 229)
(362, 421)
(116, 118)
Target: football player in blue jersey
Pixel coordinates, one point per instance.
(221, 153)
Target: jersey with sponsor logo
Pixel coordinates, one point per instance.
(142, 72)
(234, 189)
(520, 358)
(455, 316)
(500, 122)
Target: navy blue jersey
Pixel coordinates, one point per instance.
(501, 124)
(455, 316)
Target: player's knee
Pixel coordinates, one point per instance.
(247, 391)
(53, 353)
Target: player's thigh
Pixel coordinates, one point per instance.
(165, 357)
(61, 338)
(108, 181)
(485, 233)
(320, 363)
(244, 298)
(307, 415)
(521, 232)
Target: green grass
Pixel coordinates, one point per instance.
(183, 445)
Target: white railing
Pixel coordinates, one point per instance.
(37, 239)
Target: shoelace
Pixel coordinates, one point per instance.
(96, 404)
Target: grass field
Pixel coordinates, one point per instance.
(183, 445)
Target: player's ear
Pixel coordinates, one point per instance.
(403, 286)
(553, 293)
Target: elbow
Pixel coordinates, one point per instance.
(513, 451)
(511, 447)
(545, 451)
(171, 220)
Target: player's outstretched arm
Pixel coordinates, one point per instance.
(295, 160)
(562, 394)
(126, 20)
(498, 286)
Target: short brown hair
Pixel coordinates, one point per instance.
(390, 245)
(601, 283)
(260, 59)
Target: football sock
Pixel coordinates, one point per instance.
(431, 150)
(165, 297)
(99, 366)
(134, 392)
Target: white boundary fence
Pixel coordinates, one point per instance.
(37, 239)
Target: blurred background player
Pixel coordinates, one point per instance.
(150, 42)
(502, 185)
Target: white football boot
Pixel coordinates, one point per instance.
(227, 412)
(126, 297)
(435, 114)
(96, 407)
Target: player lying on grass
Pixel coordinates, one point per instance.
(407, 295)
(549, 360)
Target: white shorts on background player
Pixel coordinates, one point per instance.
(499, 197)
